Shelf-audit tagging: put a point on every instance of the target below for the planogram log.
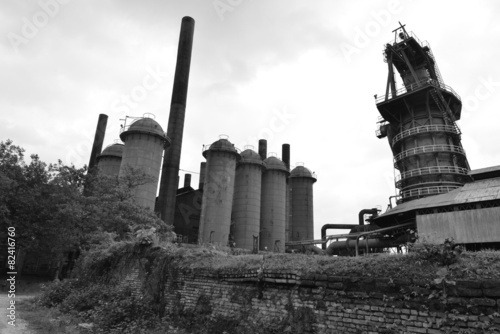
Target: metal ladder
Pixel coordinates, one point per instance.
(445, 109)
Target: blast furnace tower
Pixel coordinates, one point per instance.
(419, 120)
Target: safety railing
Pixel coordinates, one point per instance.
(429, 149)
(432, 170)
(424, 129)
(420, 84)
(432, 184)
(427, 191)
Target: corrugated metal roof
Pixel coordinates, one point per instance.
(485, 170)
(477, 191)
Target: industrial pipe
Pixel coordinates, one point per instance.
(172, 156)
(354, 242)
(398, 241)
(100, 132)
(334, 226)
(373, 212)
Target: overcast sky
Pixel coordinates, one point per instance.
(290, 71)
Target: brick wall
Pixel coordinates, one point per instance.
(340, 304)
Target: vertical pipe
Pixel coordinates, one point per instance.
(172, 156)
(285, 154)
(203, 166)
(187, 180)
(100, 132)
(263, 149)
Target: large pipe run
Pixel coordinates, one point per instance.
(100, 132)
(361, 221)
(370, 243)
(172, 156)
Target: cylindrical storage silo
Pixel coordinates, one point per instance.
(246, 200)
(273, 205)
(302, 220)
(144, 143)
(217, 201)
(110, 159)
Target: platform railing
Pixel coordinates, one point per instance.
(416, 85)
(432, 170)
(424, 129)
(429, 149)
(427, 191)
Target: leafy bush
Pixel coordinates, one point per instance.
(85, 298)
(446, 254)
(56, 292)
(123, 312)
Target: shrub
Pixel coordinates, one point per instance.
(56, 292)
(446, 254)
(123, 312)
(85, 298)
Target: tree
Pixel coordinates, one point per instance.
(52, 214)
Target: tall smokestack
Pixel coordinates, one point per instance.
(100, 132)
(263, 148)
(187, 180)
(285, 155)
(172, 156)
(203, 166)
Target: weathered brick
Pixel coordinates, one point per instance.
(336, 285)
(483, 301)
(417, 330)
(468, 284)
(492, 292)
(469, 292)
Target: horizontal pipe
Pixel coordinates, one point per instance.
(370, 243)
(334, 226)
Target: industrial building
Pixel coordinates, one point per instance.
(439, 193)
(254, 200)
(245, 199)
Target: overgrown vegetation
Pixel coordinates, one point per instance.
(56, 208)
(98, 298)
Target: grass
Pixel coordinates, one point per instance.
(470, 265)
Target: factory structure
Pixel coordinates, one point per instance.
(253, 200)
(245, 199)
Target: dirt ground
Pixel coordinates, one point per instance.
(26, 287)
